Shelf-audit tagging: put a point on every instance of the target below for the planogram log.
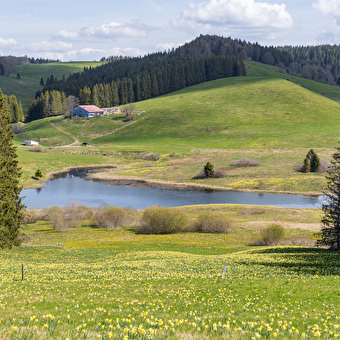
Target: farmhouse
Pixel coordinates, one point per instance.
(87, 111)
(30, 143)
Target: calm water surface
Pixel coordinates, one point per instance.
(72, 186)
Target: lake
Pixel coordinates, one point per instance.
(72, 186)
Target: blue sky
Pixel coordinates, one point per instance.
(82, 30)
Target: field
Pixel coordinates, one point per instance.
(89, 283)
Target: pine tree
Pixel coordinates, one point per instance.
(314, 161)
(11, 208)
(306, 165)
(330, 231)
(209, 169)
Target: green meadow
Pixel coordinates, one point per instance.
(92, 283)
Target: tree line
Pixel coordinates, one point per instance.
(14, 109)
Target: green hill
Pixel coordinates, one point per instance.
(30, 74)
(251, 113)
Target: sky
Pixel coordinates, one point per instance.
(89, 30)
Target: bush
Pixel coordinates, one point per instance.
(36, 148)
(158, 220)
(18, 128)
(271, 235)
(55, 215)
(31, 216)
(214, 222)
(217, 174)
(150, 156)
(77, 215)
(245, 162)
(38, 174)
(110, 217)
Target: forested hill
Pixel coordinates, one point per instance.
(139, 78)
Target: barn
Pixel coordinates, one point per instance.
(87, 111)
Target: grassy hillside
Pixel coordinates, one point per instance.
(261, 70)
(25, 87)
(241, 113)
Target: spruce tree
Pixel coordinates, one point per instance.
(209, 169)
(306, 165)
(330, 231)
(314, 162)
(11, 208)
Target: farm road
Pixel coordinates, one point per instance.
(76, 140)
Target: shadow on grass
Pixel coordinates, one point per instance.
(311, 261)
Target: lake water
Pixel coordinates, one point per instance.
(72, 186)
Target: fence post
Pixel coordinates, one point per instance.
(22, 272)
(224, 270)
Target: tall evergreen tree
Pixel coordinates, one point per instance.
(11, 208)
(330, 231)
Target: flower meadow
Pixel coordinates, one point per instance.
(84, 290)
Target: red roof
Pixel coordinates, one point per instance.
(91, 108)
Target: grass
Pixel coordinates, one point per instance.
(97, 284)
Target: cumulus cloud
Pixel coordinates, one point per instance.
(66, 35)
(7, 42)
(329, 7)
(114, 30)
(246, 13)
(47, 46)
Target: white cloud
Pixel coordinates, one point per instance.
(47, 46)
(246, 13)
(114, 30)
(66, 35)
(329, 7)
(7, 42)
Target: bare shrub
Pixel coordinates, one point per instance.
(270, 236)
(325, 166)
(56, 218)
(77, 215)
(31, 216)
(200, 175)
(18, 128)
(214, 222)
(158, 220)
(132, 217)
(252, 211)
(149, 165)
(219, 174)
(36, 148)
(243, 162)
(150, 156)
(110, 217)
